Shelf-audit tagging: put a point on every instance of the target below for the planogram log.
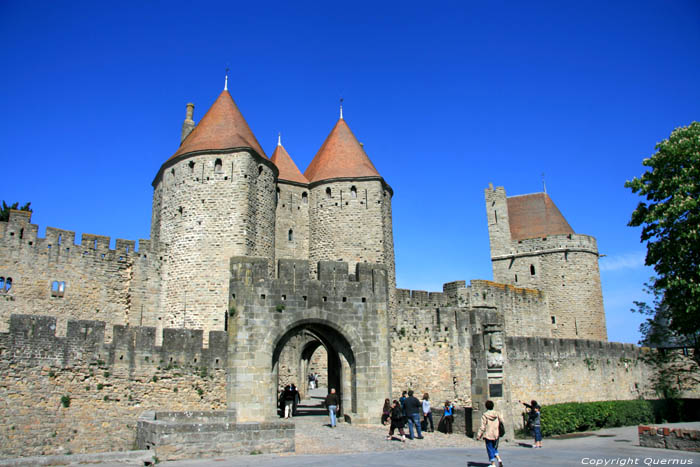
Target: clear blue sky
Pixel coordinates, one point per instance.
(446, 97)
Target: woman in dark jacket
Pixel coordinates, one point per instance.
(386, 411)
(396, 415)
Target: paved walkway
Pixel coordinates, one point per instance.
(364, 445)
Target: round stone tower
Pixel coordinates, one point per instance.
(533, 246)
(292, 224)
(349, 206)
(213, 199)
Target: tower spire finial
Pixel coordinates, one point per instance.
(341, 108)
(544, 185)
(279, 139)
(226, 80)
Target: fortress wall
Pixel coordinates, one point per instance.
(99, 283)
(292, 214)
(208, 213)
(430, 349)
(524, 310)
(109, 385)
(552, 371)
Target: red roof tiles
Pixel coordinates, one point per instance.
(535, 215)
(340, 156)
(222, 127)
(288, 169)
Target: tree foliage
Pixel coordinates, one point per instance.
(670, 221)
(5, 211)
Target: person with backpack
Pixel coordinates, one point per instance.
(396, 417)
(534, 422)
(490, 430)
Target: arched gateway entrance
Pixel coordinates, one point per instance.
(345, 314)
(292, 357)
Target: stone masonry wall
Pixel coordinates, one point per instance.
(76, 394)
(208, 208)
(292, 216)
(552, 371)
(524, 310)
(430, 348)
(117, 286)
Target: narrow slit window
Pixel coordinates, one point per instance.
(532, 269)
(353, 192)
(328, 193)
(290, 235)
(305, 198)
(8, 284)
(217, 166)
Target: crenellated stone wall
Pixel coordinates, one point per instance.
(85, 280)
(78, 394)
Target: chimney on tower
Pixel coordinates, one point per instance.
(188, 124)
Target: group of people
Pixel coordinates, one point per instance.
(288, 401)
(492, 428)
(408, 409)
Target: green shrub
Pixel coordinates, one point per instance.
(65, 401)
(571, 417)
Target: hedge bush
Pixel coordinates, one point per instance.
(571, 417)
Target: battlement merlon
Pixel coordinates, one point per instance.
(564, 243)
(33, 337)
(293, 275)
(19, 227)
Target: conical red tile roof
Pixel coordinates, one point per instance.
(222, 127)
(535, 215)
(340, 156)
(288, 169)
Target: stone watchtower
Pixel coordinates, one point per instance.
(349, 206)
(213, 199)
(533, 246)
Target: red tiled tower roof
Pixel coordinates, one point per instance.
(340, 156)
(535, 215)
(288, 169)
(222, 127)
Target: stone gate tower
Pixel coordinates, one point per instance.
(349, 206)
(213, 199)
(533, 246)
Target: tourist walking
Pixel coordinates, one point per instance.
(396, 417)
(331, 404)
(489, 430)
(534, 422)
(413, 409)
(386, 411)
(288, 399)
(427, 413)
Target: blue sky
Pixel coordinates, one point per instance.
(446, 96)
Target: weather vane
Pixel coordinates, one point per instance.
(341, 108)
(226, 80)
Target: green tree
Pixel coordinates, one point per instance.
(670, 221)
(5, 211)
